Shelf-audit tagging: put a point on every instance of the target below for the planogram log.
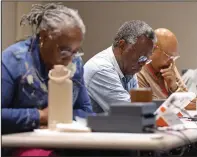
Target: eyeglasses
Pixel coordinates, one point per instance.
(66, 53)
(169, 57)
(144, 59)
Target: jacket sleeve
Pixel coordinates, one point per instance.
(83, 106)
(15, 119)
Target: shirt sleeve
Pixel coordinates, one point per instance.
(106, 88)
(135, 82)
(83, 107)
(13, 119)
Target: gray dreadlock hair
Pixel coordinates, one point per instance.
(52, 17)
(131, 30)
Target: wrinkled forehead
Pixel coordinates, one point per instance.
(69, 33)
(169, 47)
(144, 45)
(169, 44)
(71, 36)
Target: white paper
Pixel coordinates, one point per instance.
(170, 118)
(177, 102)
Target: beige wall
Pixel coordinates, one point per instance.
(8, 23)
(11, 15)
(102, 20)
(23, 8)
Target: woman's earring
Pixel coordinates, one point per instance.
(41, 44)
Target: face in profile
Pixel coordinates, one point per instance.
(164, 58)
(61, 48)
(137, 55)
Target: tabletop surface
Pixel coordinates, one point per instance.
(155, 141)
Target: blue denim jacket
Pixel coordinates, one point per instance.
(21, 98)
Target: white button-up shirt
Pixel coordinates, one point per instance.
(105, 82)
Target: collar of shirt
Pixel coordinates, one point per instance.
(155, 74)
(157, 77)
(115, 63)
(117, 68)
(33, 43)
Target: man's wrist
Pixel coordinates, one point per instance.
(174, 87)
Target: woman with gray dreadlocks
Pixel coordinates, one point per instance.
(58, 33)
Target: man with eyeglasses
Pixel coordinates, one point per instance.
(161, 75)
(110, 74)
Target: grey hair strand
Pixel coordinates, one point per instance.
(52, 17)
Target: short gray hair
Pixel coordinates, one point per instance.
(131, 30)
(52, 17)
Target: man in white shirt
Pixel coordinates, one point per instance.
(110, 74)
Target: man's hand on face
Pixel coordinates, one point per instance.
(170, 77)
